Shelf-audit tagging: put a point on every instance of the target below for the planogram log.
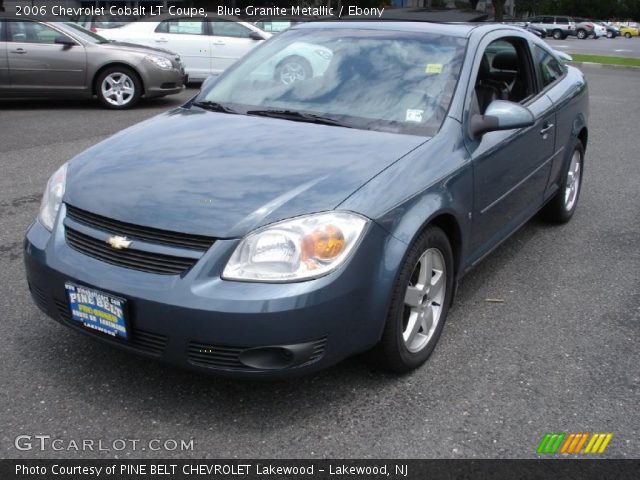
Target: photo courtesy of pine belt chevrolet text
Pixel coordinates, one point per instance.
(320, 198)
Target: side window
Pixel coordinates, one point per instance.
(505, 73)
(25, 31)
(563, 20)
(181, 26)
(2, 39)
(550, 68)
(230, 29)
(547, 20)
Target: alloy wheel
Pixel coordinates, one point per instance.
(118, 89)
(573, 181)
(424, 300)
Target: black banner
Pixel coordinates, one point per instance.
(318, 469)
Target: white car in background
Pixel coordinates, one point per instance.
(207, 46)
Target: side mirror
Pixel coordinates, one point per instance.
(500, 115)
(255, 36)
(63, 40)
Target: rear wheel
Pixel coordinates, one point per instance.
(627, 35)
(118, 88)
(419, 304)
(561, 208)
(557, 34)
(582, 34)
(609, 34)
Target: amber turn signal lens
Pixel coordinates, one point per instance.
(323, 244)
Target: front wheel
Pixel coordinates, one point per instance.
(561, 208)
(582, 34)
(557, 34)
(419, 304)
(292, 70)
(609, 34)
(627, 35)
(118, 88)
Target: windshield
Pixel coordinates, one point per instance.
(84, 34)
(369, 79)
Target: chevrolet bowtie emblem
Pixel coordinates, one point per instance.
(118, 242)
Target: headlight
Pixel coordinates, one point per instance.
(297, 249)
(161, 62)
(52, 197)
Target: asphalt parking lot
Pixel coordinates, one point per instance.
(618, 47)
(560, 354)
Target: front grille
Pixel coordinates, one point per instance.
(129, 258)
(226, 357)
(142, 340)
(136, 232)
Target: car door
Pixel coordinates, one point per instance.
(230, 41)
(36, 62)
(4, 61)
(511, 167)
(188, 38)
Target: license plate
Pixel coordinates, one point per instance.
(97, 310)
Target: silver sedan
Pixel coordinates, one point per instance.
(63, 59)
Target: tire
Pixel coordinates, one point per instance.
(582, 34)
(562, 206)
(557, 34)
(627, 35)
(118, 88)
(421, 292)
(293, 69)
(610, 35)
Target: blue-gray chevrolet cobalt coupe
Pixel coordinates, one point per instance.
(323, 197)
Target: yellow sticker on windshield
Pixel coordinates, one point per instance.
(433, 68)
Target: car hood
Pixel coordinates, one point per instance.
(222, 175)
(135, 48)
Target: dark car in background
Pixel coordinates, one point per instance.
(268, 228)
(47, 59)
(559, 27)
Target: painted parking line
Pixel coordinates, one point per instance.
(622, 50)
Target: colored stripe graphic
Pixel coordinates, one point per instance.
(552, 443)
(598, 443)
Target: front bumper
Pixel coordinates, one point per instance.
(159, 83)
(201, 322)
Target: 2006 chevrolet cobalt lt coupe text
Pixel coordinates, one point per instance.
(276, 224)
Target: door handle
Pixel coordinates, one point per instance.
(218, 42)
(546, 128)
(161, 40)
(19, 50)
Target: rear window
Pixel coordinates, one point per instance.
(550, 68)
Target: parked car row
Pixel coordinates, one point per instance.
(561, 27)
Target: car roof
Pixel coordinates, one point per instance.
(451, 29)
(461, 30)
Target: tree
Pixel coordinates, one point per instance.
(498, 9)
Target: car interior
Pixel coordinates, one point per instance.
(505, 73)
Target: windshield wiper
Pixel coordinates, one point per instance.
(214, 106)
(298, 117)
